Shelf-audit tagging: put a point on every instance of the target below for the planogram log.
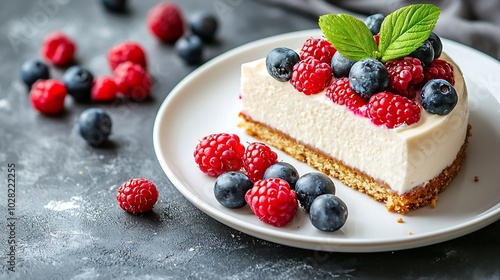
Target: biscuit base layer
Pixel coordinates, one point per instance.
(399, 203)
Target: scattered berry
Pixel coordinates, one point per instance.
(203, 24)
(392, 110)
(404, 74)
(311, 76)
(127, 51)
(440, 69)
(132, 80)
(280, 62)
(368, 76)
(257, 158)
(283, 171)
(58, 49)
(219, 153)
(230, 189)
(47, 96)
(311, 185)
(94, 125)
(78, 82)
(328, 213)
(190, 49)
(319, 48)
(374, 22)
(33, 70)
(104, 89)
(137, 195)
(341, 65)
(272, 201)
(165, 21)
(436, 43)
(438, 96)
(116, 6)
(340, 92)
(425, 53)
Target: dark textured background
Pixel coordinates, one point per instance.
(69, 225)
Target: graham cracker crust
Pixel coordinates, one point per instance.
(417, 198)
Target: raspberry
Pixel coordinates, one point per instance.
(132, 80)
(219, 153)
(318, 48)
(104, 89)
(272, 201)
(137, 195)
(439, 69)
(165, 21)
(47, 96)
(391, 110)
(340, 92)
(257, 158)
(403, 75)
(58, 48)
(127, 51)
(311, 76)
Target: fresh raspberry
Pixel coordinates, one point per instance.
(376, 37)
(104, 89)
(311, 76)
(319, 48)
(137, 195)
(219, 153)
(404, 74)
(47, 96)
(166, 22)
(132, 80)
(392, 110)
(340, 92)
(439, 69)
(257, 158)
(127, 51)
(58, 48)
(272, 201)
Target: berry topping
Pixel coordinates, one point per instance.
(438, 97)
(425, 53)
(319, 48)
(116, 6)
(33, 70)
(340, 92)
(404, 73)
(137, 195)
(78, 82)
(47, 96)
(94, 125)
(104, 89)
(374, 22)
(392, 110)
(272, 201)
(341, 65)
(203, 24)
(190, 49)
(219, 153)
(230, 189)
(436, 43)
(127, 51)
(368, 76)
(132, 80)
(311, 185)
(58, 49)
(328, 213)
(280, 62)
(311, 76)
(257, 158)
(283, 171)
(440, 69)
(165, 21)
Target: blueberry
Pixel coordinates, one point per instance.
(283, 171)
(115, 5)
(328, 213)
(94, 126)
(368, 76)
(230, 189)
(425, 53)
(311, 185)
(436, 43)
(190, 49)
(204, 25)
(280, 62)
(374, 22)
(33, 70)
(78, 83)
(341, 65)
(438, 97)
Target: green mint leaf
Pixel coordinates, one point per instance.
(350, 36)
(404, 30)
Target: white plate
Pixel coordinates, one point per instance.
(207, 102)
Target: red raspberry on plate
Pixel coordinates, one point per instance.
(166, 22)
(404, 74)
(127, 51)
(219, 153)
(257, 158)
(319, 48)
(47, 96)
(137, 195)
(103, 89)
(58, 48)
(439, 69)
(311, 76)
(340, 92)
(132, 80)
(392, 110)
(272, 201)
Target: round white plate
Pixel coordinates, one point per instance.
(207, 102)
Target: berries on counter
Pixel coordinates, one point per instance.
(104, 89)
(190, 49)
(47, 96)
(33, 70)
(311, 185)
(132, 81)
(328, 213)
(203, 24)
(58, 49)
(280, 62)
(94, 125)
(127, 51)
(78, 82)
(438, 97)
(137, 195)
(230, 189)
(116, 6)
(166, 22)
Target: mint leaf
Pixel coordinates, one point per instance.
(404, 30)
(350, 36)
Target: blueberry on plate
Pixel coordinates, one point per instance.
(425, 53)
(203, 24)
(368, 76)
(283, 171)
(374, 22)
(190, 49)
(280, 62)
(78, 82)
(439, 97)
(33, 70)
(94, 125)
(230, 189)
(311, 185)
(436, 43)
(328, 213)
(115, 5)
(341, 65)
